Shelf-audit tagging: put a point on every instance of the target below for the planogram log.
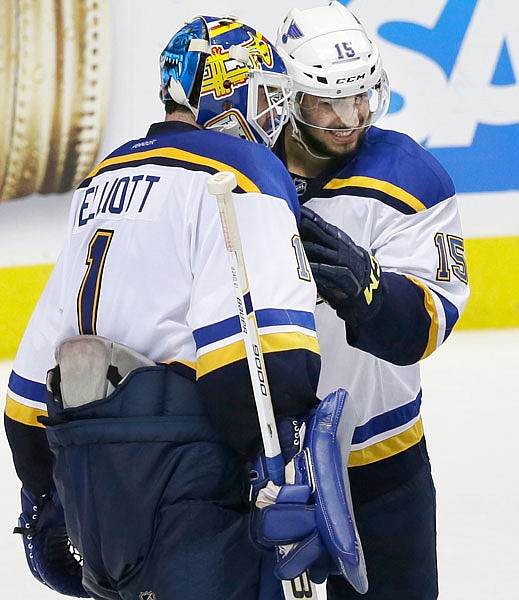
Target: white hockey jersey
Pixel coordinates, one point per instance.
(144, 264)
(396, 201)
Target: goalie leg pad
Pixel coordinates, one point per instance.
(329, 441)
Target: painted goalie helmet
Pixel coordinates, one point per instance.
(334, 66)
(229, 76)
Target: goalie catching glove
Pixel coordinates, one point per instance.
(310, 519)
(50, 555)
(347, 276)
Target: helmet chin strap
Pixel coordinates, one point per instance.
(298, 137)
(296, 134)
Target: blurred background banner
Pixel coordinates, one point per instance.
(54, 68)
(452, 67)
(80, 77)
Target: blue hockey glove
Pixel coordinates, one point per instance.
(291, 433)
(283, 518)
(347, 276)
(50, 555)
(298, 514)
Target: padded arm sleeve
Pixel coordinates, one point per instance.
(399, 332)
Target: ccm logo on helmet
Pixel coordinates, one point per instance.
(350, 79)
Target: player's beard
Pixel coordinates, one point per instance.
(320, 148)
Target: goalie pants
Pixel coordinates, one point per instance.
(153, 500)
(395, 511)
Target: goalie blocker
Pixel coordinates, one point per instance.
(313, 513)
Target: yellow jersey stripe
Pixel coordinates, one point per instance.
(388, 447)
(272, 342)
(175, 153)
(278, 342)
(23, 414)
(216, 359)
(430, 307)
(380, 185)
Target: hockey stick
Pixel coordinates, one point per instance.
(221, 185)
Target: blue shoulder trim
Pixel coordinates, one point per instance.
(256, 168)
(396, 170)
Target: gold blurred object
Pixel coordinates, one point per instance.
(54, 66)
(7, 79)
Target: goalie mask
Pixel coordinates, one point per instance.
(229, 76)
(338, 79)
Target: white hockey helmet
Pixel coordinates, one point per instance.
(329, 55)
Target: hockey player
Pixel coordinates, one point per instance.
(145, 469)
(381, 229)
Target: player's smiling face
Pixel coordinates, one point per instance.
(333, 126)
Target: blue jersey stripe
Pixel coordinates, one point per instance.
(388, 421)
(267, 317)
(217, 331)
(27, 388)
(451, 315)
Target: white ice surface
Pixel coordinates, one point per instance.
(471, 416)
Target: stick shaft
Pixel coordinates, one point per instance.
(221, 185)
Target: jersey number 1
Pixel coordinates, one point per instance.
(90, 289)
(303, 272)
